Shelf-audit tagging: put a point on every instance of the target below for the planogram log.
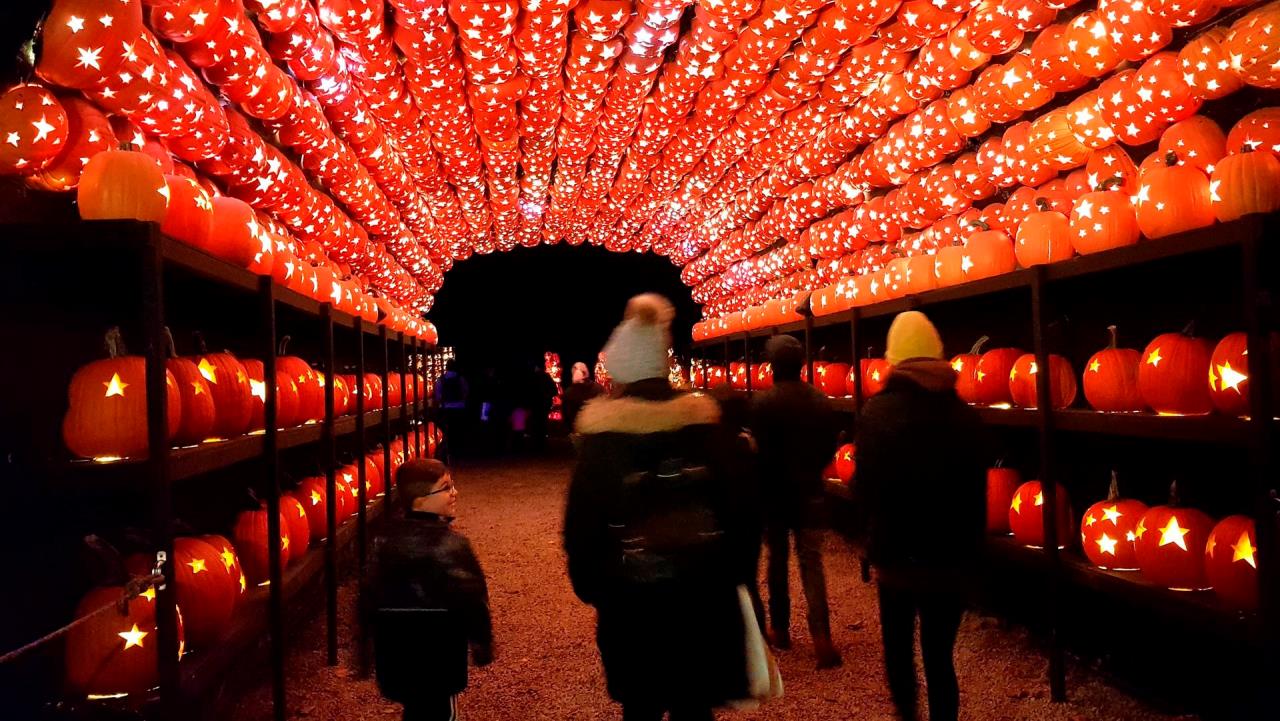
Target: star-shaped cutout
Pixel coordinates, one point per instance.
(133, 637)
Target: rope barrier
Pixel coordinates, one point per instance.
(134, 588)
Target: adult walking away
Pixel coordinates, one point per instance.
(580, 390)
(795, 430)
(921, 478)
(451, 393)
(654, 533)
(426, 598)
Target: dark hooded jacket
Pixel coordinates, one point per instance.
(420, 562)
(922, 457)
(795, 430)
(670, 630)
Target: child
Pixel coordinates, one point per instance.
(426, 598)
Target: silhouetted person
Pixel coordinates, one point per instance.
(451, 399)
(426, 598)
(539, 396)
(579, 391)
(654, 535)
(921, 485)
(735, 417)
(795, 430)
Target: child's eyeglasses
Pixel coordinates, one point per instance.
(445, 489)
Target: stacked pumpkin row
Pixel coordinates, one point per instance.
(211, 397)
(1173, 546)
(116, 653)
(1132, 106)
(1197, 175)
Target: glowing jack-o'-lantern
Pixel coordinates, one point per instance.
(762, 376)
(832, 379)
(112, 653)
(1111, 379)
(287, 403)
(374, 481)
(232, 394)
(253, 545)
(1172, 375)
(1104, 219)
(198, 412)
(313, 496)
(206, 593)
(1171, 546)
(1026, 375)
(1002, 484)
(966, 367)
(1026, 515)
(295, 514)
(1245, 183)
(232, 574)
(716, 376)
(310, 385)
(345, 490)
(991, 379)
(1173, 199)
(122, 184)
(33, 129)
(107, 413)
(875, 374)
(846, 462)
(738, 375)
(1043, 237)
(1108, 531)
(1231, 564)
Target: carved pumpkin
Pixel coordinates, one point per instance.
(966, 367)
(1108, 531)
(1112, 162)
(34, 127)
(252, 544)
(989, 253)
(1206, 64)
(1245, 183)
(309, 383)
(1252, 46)
(1104, 220)
(1171, 547)
(737, 376)
(206, 593)
(112, 653)
(107, 411)
(1196, 141)
(1259, 130)
(189, 217)
(1171, 377)
(1111, 379)
(232, 394)
(875, 374)
(846, 463)
(122, 184)
(312, 494)
(1173, 200)
(1231, 563)
(1026, 515)
(198, 415)
(295, 514)
(1044, 237)
(991, 382)
(1002, 484)
(287, 403)
(344, 487)
(232, 573)
(763, 376)
(1025, 376)
(235, 236)
(1229, 373)
(88, 133)
(831, 379)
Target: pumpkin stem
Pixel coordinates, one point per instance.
(1111, 183)
(1115, 337)
(980, 225)
(977, 347)
(201, 346)
(1173, 494)
(1113, 492)
(284, 344)
(168, 343)
(1190, 330)
(1042, 204)
(1170, 158)
(114, 341)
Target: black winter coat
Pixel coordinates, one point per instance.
(674, 638)
(420, 562)
(921, 484)
(795, 430)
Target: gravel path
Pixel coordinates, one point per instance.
(547, 668)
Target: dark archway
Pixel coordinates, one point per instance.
(511, 307)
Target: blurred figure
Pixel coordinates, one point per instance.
(735, 418)
(921, 486)
(655, 535)
(540, 394)
(581, 389)
(425, 598)
(451, 394)
(795, 429)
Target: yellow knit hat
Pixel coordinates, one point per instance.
(912, 336)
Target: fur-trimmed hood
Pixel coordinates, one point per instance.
(638, 416)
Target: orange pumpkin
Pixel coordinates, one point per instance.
(1025, 376)
(232, 394)
(295, 515)
(198, 412)
(1112, 162)
(1103, 220)
(88, 133)
(1244, 184)
(1109, 531)
(1044, 237)
(1111, 379)
(234, 235)
(1229, 373)
(1026, 515)
(33, 127)
(1231, 563)
(1254, 47)
(189, 217)
(1259, 130)
(114, 653)
(1173, 200)
(1171, 377)
(989, 253)
(991, 382)
(1171, 547)
(253, 547)
(312, 494)
(1196, 141)
(966, 367)
(124, 184)
(1206, 64)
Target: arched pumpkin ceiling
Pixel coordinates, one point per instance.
(737, 137)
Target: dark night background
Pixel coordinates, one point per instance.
(510, 307)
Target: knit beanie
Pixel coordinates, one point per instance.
(786, 356)
(912, 336)
(637, 350)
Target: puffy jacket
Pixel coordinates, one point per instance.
(795, 430)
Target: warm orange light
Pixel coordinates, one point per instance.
(1095, 366)
(1173, 534)
(1112, 514)
(1243, 550)
(198, 389)
(1017, 503)
(1154, 358)
(133, 637)
(149, 594)
(958, 365)
(315, 498)
(228, 558)
(197, 566)
(258, 389)
(208, 370)
(1107, 544)
(1231, 378)
(115, 386)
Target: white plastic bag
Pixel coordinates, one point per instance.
(764, 679)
